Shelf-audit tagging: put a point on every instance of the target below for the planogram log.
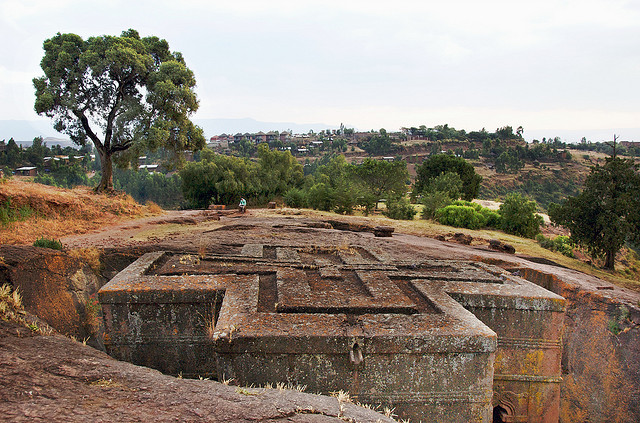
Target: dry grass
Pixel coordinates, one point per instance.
(58, 212)
(90, 255)
(12, 310)
(10, 303)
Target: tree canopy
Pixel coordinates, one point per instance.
(378, 144)
(382, 177)
(606, 214)
(518, 216)
(121, 93)
(442, 163)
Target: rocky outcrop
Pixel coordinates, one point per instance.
(601, 354)
(54, 379)
(54, 286)
(60, 286)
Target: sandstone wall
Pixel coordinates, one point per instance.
(601, 354)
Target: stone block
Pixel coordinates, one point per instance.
(438, 340)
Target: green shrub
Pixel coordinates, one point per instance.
(48, 243)
(368, 201)
(561, 244)
(493, 217)
(64, 176)
(461, 216)
(295, 197)
(320, 197)
(519, 216)
(400, 209)
(344, 200)
(432, 202)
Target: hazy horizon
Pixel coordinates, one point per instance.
(25, 131)
(545, 66)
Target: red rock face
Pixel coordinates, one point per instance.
(53, 286)
(601, 354)
(399, 333)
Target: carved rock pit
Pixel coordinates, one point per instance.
(439, 340)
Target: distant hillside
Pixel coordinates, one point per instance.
(27, 130)
(213, 127)
(24, 131)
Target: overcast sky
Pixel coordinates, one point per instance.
(544, 64)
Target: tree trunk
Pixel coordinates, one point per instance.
(610, 260)
(106, 183)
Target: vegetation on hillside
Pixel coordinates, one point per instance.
(449, 165)
(606, 214)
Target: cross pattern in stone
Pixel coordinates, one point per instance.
(414, 333)
(350, 280)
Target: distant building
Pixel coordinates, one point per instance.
(272, 136)
(285, 136)
(26, 171)
(260, 137)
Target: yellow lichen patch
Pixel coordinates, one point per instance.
(533, 362)
(91, 256)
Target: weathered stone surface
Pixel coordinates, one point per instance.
(383, 231)
(601, 354)
(63, 286)
(54, 379)
(601, 370)
(494, 244)
(397, 333)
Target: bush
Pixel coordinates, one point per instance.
(400, 209)
(518, 216)
(367, 201)
(295, 197)
(344, 201)
(493, 217)
(320, 197)
(561, 244)
(65, 177)
(48, 243)
(461, 216)
(432, 202)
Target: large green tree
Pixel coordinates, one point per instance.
(121, 93)
(443, 163)
(382, 177)
(606, 214)
(217, 179)
(277, 171)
